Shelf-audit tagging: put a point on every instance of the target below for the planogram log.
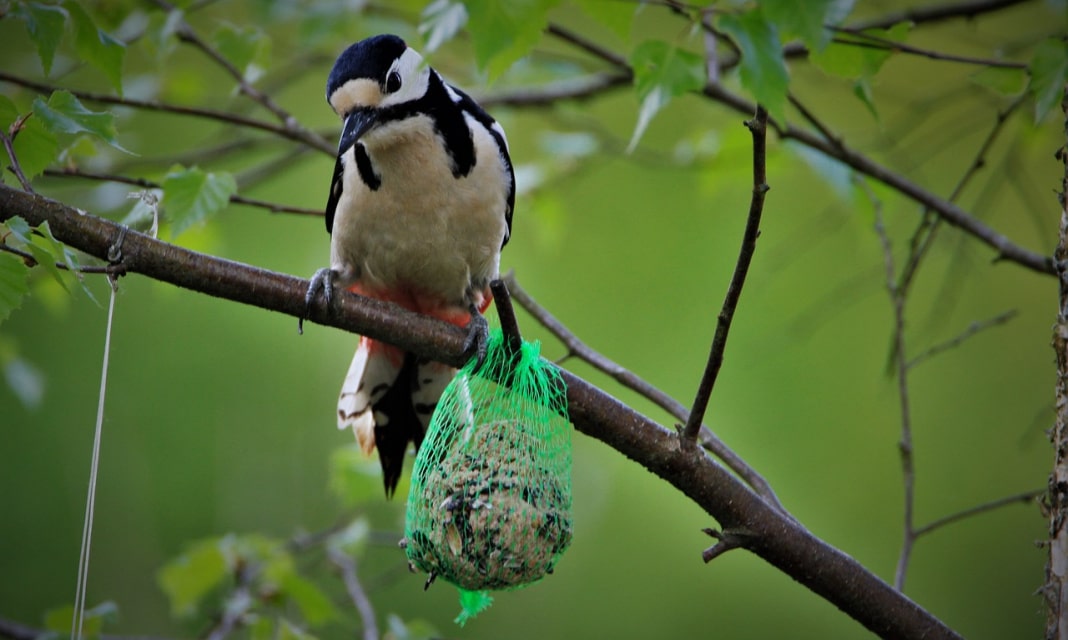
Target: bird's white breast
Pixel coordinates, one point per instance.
(423, 230)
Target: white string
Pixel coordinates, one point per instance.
(90, 501)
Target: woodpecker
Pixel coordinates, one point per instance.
(420, 206)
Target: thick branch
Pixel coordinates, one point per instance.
(772, 535)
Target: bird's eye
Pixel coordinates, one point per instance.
(393, 82)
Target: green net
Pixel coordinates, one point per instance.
(490, 500)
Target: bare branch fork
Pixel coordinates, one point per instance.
(769, 533)
(758, 127)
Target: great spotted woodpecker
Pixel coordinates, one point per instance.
(419, 209)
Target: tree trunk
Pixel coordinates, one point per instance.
(1056, 588)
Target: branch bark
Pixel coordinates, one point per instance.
(768, 533)
(758, 126)
(1056, 587)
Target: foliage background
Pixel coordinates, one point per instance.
(219, 417)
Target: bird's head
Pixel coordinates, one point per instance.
(372, 76)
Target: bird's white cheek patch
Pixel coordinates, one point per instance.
(355, 94)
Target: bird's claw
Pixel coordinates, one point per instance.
(477, 338)
(323, 280)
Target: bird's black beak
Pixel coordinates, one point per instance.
(357, 123)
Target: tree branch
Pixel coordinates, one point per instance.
(835, 148)
(16, 631)
(862, 39)
(1025, 497)
(579, 349)
(296, 134)
(900, 364)
(773, 536)
(948, 211)
(758, 126)
(1055, 590)
(346, 565)
(969, 331)
(273, 207)
(9, 140)
(937, 13)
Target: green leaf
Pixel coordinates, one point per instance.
(23, 378)
(14, 282)
(48, 251)
(617, 16)
(503, 32)
(246, 48)
(93, 620)
(763, 70)
(313, 604)
(837, 175)
(191, 196)
(64, 113)
(440, 21)
(1049, 73)
(862, 90)
(96, 46)
(45, 24)
(18, 229)
(411, 630)
(194, 574)
(35, 147)
(661, 73)
(1004, 82)
(807, 20)
(160, 34)
(354, 478)
(288, 631)
(857, 61)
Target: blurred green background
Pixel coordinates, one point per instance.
(220, 419)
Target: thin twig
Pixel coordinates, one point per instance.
(595, 50)
(937, 13)
(9, 146)
(758, 127)
(347, 566)
(237, 604)
(296, 134)
(1024, 497)
(897, 302)
(577, 348)
(551, 94)
(16, 631)
(502, 300)
(875, 42)
(924, 235)
(186, 33)
(144, 183)
(972, 329)
(27, 257)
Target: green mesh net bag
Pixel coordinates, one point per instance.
(490, 500)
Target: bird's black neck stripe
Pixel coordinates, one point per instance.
(448, 119)
(366, 169)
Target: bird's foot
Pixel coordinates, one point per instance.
(477, 338)
(323, 280)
